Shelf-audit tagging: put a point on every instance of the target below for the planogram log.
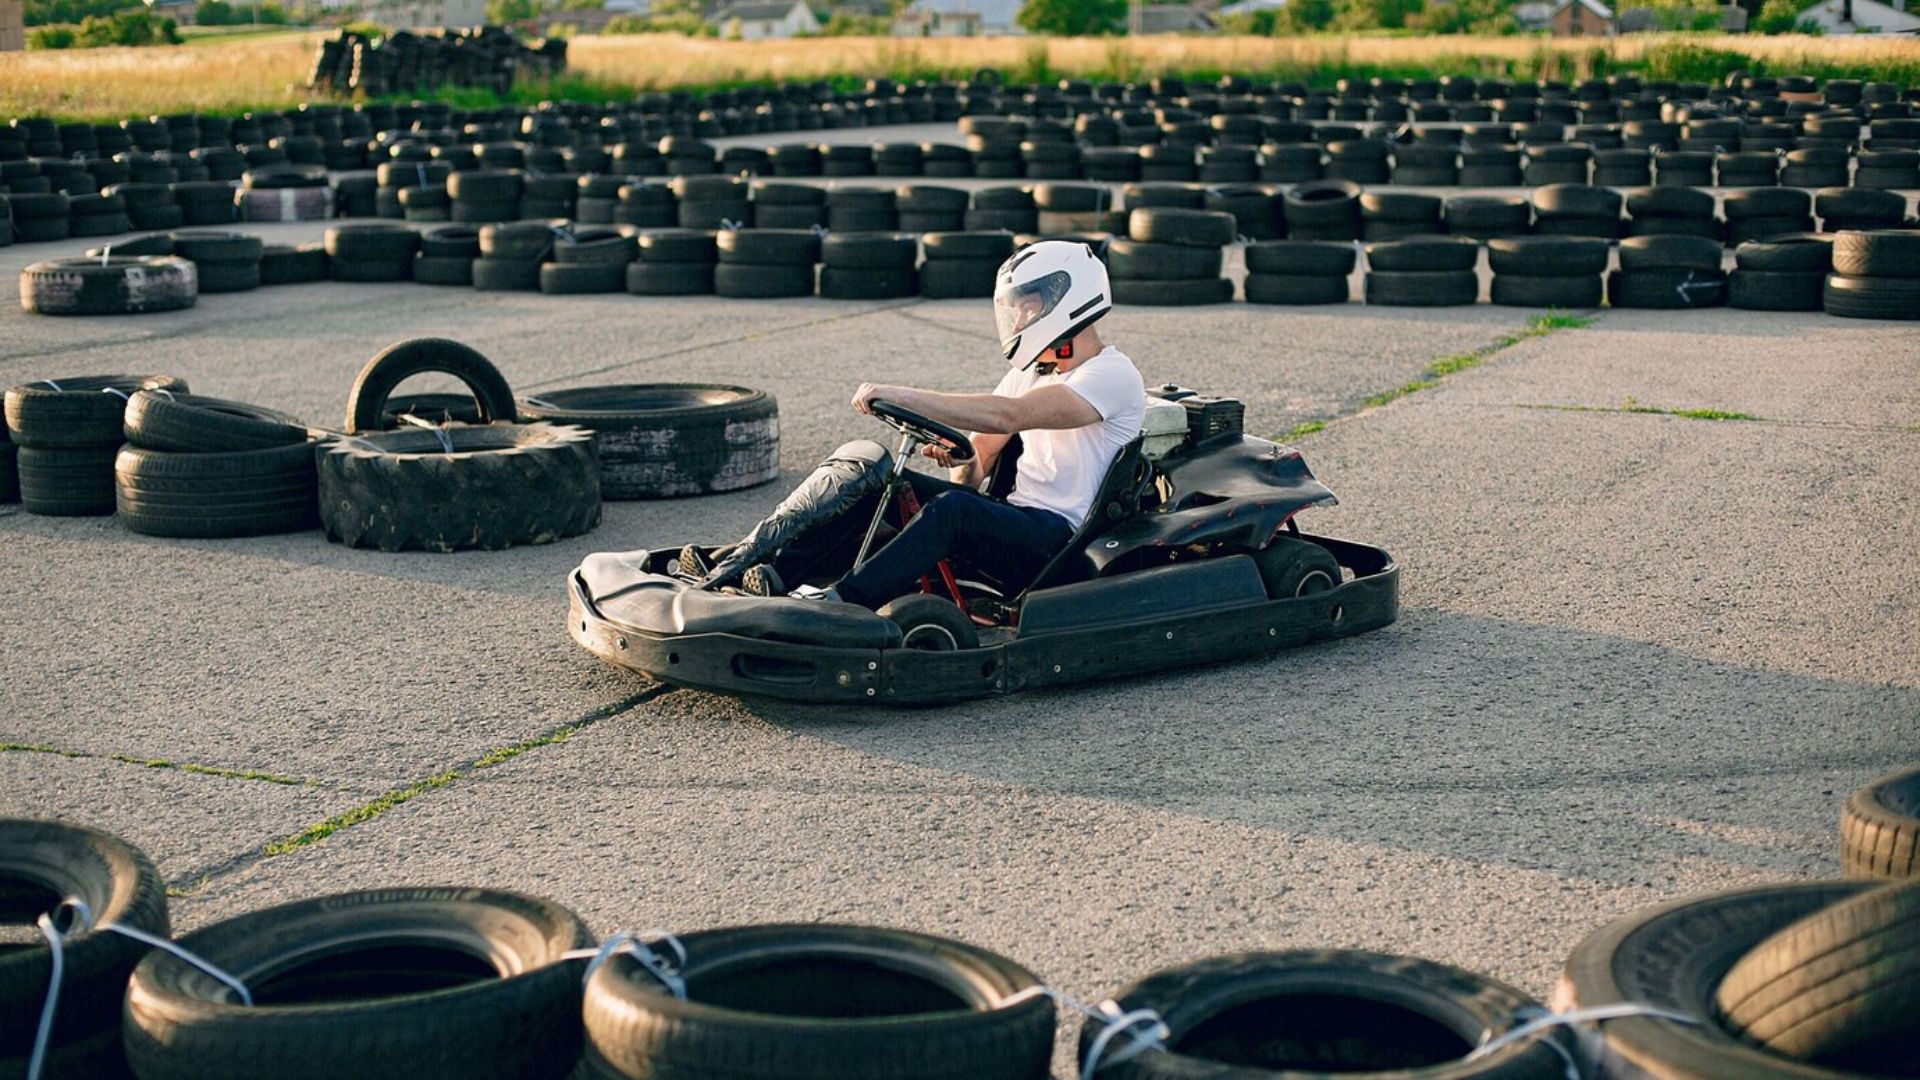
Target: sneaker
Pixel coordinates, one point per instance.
(694, 565)
(810, 592)
(761, 579)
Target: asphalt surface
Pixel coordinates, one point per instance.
(1641, 655)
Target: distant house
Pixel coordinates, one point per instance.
(13, 25)
(180, 11)
(1248, 7)
(762, 22)
(1581, 18)
(1170, 19)
(990, 16)
(1534, 16)
(1856, 16)
(427, 14)
(916, 22)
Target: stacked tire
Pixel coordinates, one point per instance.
(962, 265)
(1296, 272)
(1781, 273)
(1880, 829)
(868, 266)
(1576, 210)
(927, 209)
(1672, 211)
(98, 215)
(291, 264)
(1668, 273)
(447, 255)
(1876, 275)
(1171, 257)
(592, 260)
(69, 432)
(1430, 271)
(1547, 271)
(483, 196)
(789, 206)
(204, 202)
(765, 264)
(205, 468)
(108, 285)
(371, 253)
(673, 262)
(1393, 215)
(1008, 208)
(223, 262)
(1759, 213)
(1847, 209)
(511, 255)
(668, 440)
(1323, 210)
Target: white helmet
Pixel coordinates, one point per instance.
(1044, 294)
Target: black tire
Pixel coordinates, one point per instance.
(957, 279)
(151, 244)
(1670, 202)
(372, 243)
(1300, 257)
(1881, 253)
(931, 623)
(679, 246)
(367, 401)
(596, 247)
(1667, 290)
(1880, 828)
(670, 279)
(821, 1002)
(228, 277)
(1297, 289)
(1425, 255)
(1523, 290)
(443, 269)
(503, 485)
(9, 473)
(217, 495)
(1440, 288)
(433, 408)
(451, 241)
(1674, 957)
(1793, 253)
(1322, 204)
(768, 247)
(1837, 987)
(484, 185)
(1576, 200)
(1142, 261)
(1872, 298)
(505, 275)
(191, 424)
(987, 219)
(944, 246)
(837, 283)
(746, 281)
(1185, 292)
(1859, 204)
(217, 248)
(74, 481)
(110, 286)
(520, 241)
(868, 251)
(284, 264)
(665, 440)
(578, 279)
(1548, 256)
(1312, 1012)
(397, 984)
(1291, 567)
(1670, 253)
(41, 864)
(87, 410)
(1768, 290)
(789, 217)
(1173, 226)
(369, 271)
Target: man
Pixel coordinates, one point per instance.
(1074, 400)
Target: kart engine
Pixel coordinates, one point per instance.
(1178, 418)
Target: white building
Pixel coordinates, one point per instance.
(989, 16)
(916, 23)
(761, 22)
(1855, 16)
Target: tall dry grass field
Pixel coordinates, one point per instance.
(269, 72)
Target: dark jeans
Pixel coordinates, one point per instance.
(1009, 544)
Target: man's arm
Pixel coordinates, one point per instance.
(1047, 408)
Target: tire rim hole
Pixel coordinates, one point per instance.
(1329, 1032)
(370, 972)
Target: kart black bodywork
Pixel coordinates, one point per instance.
(1170, 583)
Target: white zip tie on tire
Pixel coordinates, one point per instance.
(104, 252)
(1541, 1020)
(446, 440)
(640, 947)
(80, 923)
(57, 388)
(121, 394)
(1116, 1022)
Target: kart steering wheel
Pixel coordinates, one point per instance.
(959, 448)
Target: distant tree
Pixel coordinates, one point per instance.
(1469, 17)
(847, 24)
(502, 12)
(1303, 16)
(50, 37)
(1073, 18)
(51, 12)
(215, 13)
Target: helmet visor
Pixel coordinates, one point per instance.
(1016, 307)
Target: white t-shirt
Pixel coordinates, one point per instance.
(1061, 470)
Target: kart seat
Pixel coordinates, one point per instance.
(1118, 499)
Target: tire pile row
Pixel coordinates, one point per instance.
(414, 472)
(488, 57)
(1811, 980)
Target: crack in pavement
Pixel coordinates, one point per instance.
(754, 335)
(399, 796)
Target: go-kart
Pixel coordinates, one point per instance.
(1190, 555)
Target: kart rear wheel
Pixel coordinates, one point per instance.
(1290, 568)
(931, 623)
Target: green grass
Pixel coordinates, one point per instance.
(1301, 431)
(1629, 407)
(158, 763)
(36, 748)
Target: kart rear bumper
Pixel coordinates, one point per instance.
(737, 664)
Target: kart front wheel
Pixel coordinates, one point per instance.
(1290, 567)
(931, 623)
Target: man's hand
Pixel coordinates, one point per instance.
(938, 453)
(863, 397)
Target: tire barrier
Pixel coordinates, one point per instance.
(68, 432)
(666, 440)
(206, 468)
(1298, 272)
(489, 57)
(1880, 828)
(1423, 272)
(1876, 275)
